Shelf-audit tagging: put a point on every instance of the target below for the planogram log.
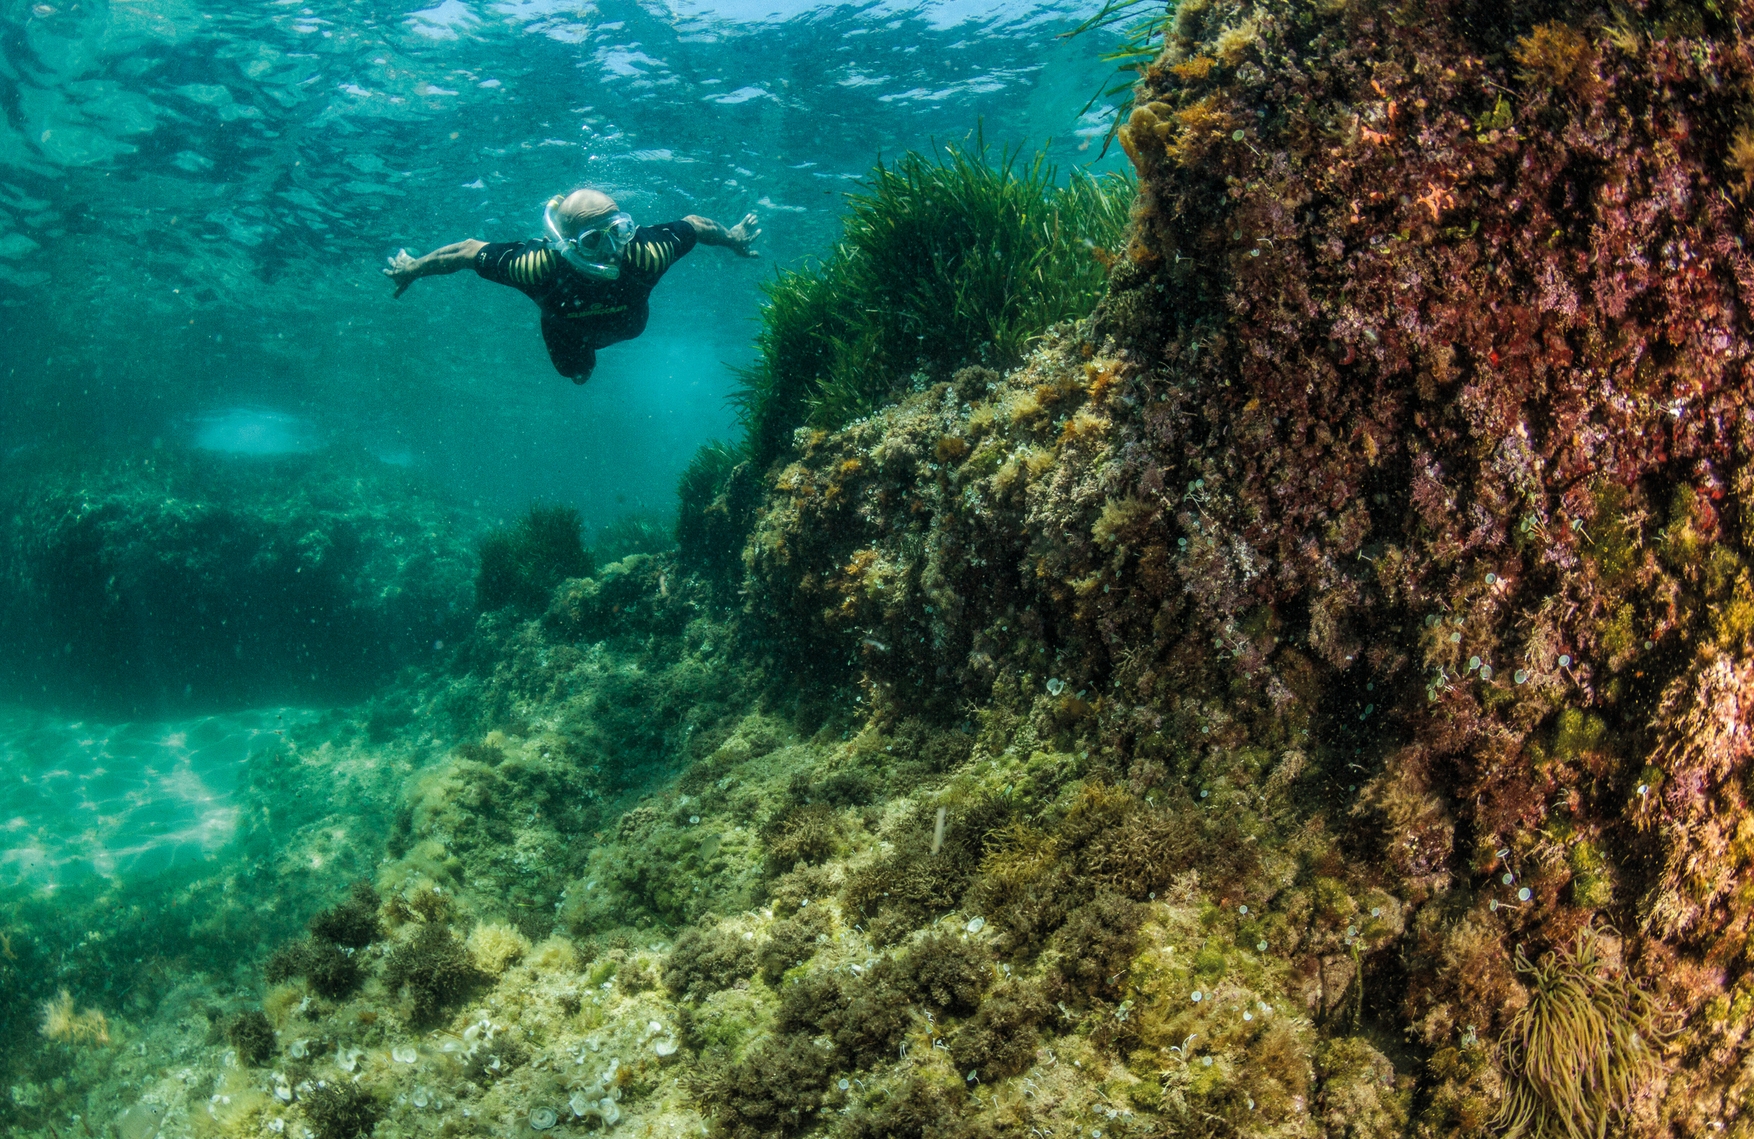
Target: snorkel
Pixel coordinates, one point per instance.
(596, 250)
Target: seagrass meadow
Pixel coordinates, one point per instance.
(1304, 691)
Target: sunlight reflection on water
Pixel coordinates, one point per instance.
(120, 800)
(255, 431)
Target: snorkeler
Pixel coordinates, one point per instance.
(592, 275)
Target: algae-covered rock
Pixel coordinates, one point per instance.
(493, 946)
(168, 577)
(1387, 510)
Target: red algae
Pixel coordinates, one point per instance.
(1401, 478)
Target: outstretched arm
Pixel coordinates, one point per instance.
(405, 270)
(738, 239)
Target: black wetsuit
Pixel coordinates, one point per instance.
(581, 314)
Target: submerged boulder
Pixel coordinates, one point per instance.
(167, 578)
(1402, 481)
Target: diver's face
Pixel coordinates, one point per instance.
(590, 231)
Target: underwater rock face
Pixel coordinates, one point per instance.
(174, 576)
(1401, 481)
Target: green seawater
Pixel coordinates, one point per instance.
(242, 492)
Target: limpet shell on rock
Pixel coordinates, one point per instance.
(542, 1118)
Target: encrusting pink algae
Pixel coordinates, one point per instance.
(1400, 483)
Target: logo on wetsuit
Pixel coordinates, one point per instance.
(594, 310)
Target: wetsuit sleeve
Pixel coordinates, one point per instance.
(655, 248)
(524, 265)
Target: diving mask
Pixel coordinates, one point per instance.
(596, 250)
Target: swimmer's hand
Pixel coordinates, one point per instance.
(740, 238)
(404, 270)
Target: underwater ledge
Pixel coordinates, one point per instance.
(1306, 699)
